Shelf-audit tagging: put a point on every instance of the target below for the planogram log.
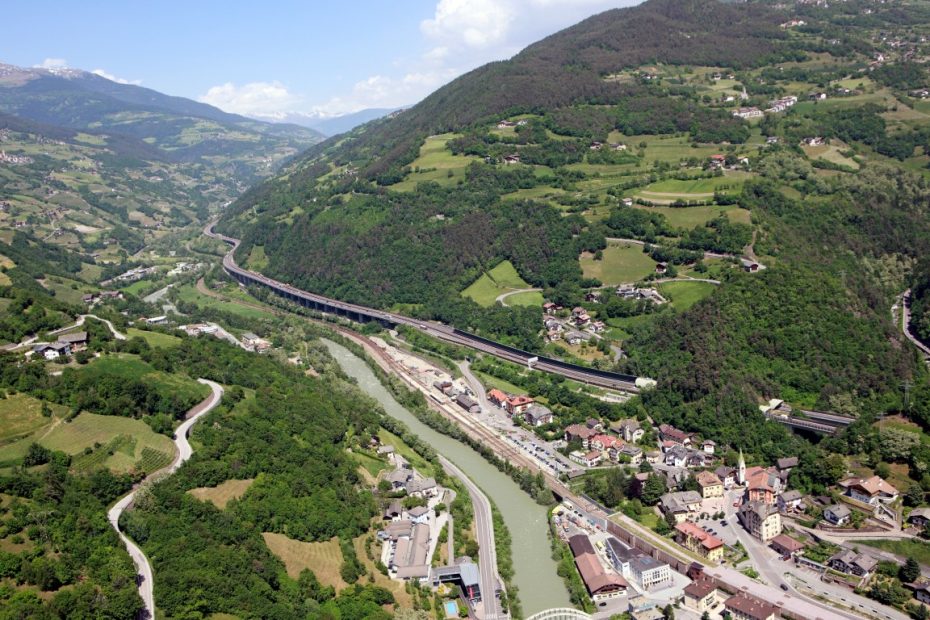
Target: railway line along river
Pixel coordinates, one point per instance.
(534, 569)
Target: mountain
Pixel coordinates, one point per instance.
(187, 129)
(102, 168)
(792, 137)
(329, 125)
(347, 122)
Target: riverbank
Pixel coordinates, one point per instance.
(525, 520)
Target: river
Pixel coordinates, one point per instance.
(534, 569)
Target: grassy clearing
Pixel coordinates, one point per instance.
(490, 382)
(190, 294)
(119, 444)
(502, 278)
(622, 262)
(435, 163)
(689, 217)
(155, 339)
(257, 259)
(140, 287)
(372, 465)
(911, 548)
(323, 558)
(683, 294)
(418, 462)
(529, 298)
(699, 187)
(830, 153)
(21, 415)
(223, 493)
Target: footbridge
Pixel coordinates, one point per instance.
(364, 314)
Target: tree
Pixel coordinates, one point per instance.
(653, 489)
(668, 613)
(914, 495)
(910, 571)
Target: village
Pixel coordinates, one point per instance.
(714, 508)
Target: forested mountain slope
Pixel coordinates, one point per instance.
(792, 136)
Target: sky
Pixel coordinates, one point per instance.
(274, 58)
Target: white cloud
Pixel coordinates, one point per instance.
(461, 35)
(472, 23)
(53, 63)
(381, 91)
(113, 78)
(269, 99)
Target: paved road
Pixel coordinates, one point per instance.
(487, 552)
(146, 577)
(437, 330)
(779, 573)
(501, 298)
(81, 319)
(904, 302)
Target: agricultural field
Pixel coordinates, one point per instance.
(831, 153)
(497, 281)
(155, 339)
(98, 441)
(527, 298)
(669, 190)
(621, 263)
(21, 415)
(683, 294)
(690, 217)
(190, 294)
(435, 163)
(223, 493)
(323, 558)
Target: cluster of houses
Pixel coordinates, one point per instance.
(628, 291)
(63, 347)
(407, 538)
(577, 329)
(7, 158)
(505, 124)
(780, 105)
(251, 342)
(521, 406)
(134, 274)
(614, 146)
(598, 446)
(748, 112)
(702, 595)
(93, 298)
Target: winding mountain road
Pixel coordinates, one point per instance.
(904, 303)
(146, 578)
(81, 319)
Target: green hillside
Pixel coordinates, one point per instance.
(592, 135)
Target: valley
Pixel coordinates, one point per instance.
(609, 329)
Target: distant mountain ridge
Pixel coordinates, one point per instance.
(330, 125)
(82, 100)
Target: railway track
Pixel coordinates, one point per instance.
(592, 376)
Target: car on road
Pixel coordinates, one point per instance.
(723, 523)
(784, 587)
